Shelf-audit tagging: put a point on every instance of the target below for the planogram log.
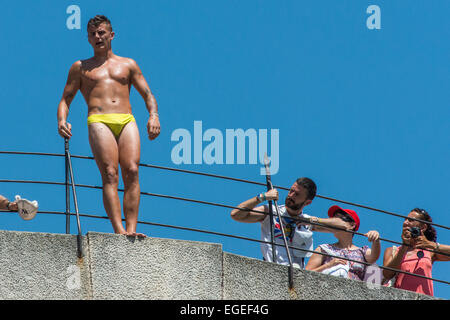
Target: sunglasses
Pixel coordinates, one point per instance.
(343, 216)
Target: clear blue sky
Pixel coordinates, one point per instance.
(365, 113)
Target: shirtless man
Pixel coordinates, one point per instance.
(105, 81)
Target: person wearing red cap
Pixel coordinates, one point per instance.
(332, 263)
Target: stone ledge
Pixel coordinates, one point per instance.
(45, 266)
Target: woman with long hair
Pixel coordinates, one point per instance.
(411, 256)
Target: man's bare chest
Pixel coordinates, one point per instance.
(111, 73)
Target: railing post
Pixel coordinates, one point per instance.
(272, 227)
(269, 187)
(75, 201)
(66, 153)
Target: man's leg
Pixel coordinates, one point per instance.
(106, 154)
(129, 157)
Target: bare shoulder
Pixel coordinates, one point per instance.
(319, 254)
(131, 63)
(86, 64)
(388, 253)
(76, 66)
(75, 72)
(388, 250)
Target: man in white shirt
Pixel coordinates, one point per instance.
(298, 234)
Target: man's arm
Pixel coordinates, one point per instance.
(326, 222)
(139, 82)
(250, 204)
(70, 90)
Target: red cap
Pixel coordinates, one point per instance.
(350, 212)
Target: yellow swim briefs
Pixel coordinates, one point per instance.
(115, 121)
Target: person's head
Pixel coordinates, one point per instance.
(427, 229)
(350, 217)
(100, 32)
(301, 194)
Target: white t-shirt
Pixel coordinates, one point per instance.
(295, 236)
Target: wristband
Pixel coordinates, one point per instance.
(437, 247)
(7, 206)
(154, 113)
(261, 197)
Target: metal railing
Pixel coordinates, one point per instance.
(70, 183)
(69, 173)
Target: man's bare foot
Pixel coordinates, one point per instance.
(135, 234)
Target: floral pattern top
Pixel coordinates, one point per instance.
(357, 271)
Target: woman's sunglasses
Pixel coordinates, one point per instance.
(343, 216)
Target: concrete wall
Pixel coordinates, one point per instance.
(45, 266)
(41, 266)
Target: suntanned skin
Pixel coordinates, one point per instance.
(105, 81)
